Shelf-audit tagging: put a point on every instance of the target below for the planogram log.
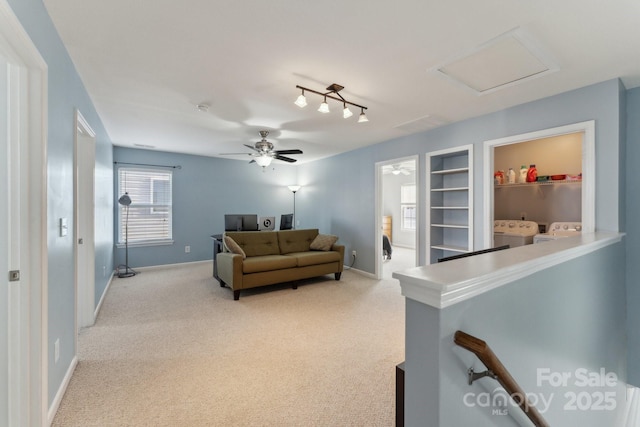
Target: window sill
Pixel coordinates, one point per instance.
(166, 242)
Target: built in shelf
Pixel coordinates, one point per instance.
(449, 202)
(531, 184)
(450, 248)
(451, 189)
(449, 171)
(450, 207)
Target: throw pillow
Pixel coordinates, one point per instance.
(234, 247)
(323, 242)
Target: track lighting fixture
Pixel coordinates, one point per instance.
(324, 107)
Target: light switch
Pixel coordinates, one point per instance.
(64, 228)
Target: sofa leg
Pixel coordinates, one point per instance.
(236, 295)
(294, 286)
(338, 275)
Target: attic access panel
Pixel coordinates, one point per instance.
(507, 60)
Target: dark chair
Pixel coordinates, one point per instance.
(386, 247)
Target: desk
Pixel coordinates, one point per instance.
(217, 248)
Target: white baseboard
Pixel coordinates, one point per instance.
(104, 294)
(161, 266)
(53, 409)
(363, 273)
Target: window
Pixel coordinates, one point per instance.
(408, 206)
(148, 220)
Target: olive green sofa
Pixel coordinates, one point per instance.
(269, 257)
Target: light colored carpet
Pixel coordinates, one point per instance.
(401, 259)
(171, 348)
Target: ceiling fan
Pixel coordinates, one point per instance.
(397, 170)
(263, 152)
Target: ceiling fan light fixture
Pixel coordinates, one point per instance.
(324, 107)
(301, 101)
(362, 118)
(264, 160)
(346, 113)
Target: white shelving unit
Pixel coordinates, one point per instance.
(449, 202)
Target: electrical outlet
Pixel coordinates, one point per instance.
(353, 253)
(104, 270)
(187, 249)
(56, 351)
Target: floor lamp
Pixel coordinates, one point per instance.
(125, 201)
(294, 188)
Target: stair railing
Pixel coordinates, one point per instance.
(497, 371)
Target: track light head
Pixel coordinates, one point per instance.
(362, 118)
(346, 113)
(324, 107)
(301, 101)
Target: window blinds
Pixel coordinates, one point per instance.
(149, 217)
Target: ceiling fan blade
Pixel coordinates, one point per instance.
(404, 172)
(252, 147)
(283, 158)
(288, 151)
(252, 161)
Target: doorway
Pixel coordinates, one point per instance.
(84, 196)
(397, 205)
(586, 131)
(23, 229)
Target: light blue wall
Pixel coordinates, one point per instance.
(633, 234)
(204, 189)
(568, 317)
(66, 93)
(337, 181)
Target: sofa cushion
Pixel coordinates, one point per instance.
(233, 247)
(296, 240)
(258, 264)
(323, 242)
(304, 259)
(256, 243)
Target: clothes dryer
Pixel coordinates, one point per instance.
(514, 232)
(559, 230)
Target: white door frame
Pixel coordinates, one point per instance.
(84, 233)
(27, 326)
(379, 197)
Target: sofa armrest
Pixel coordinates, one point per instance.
(230, 269)
(340, 249)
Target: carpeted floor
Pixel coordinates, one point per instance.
(171, 348)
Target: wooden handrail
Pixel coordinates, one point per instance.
(502, 375)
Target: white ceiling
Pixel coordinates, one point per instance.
(147, 63)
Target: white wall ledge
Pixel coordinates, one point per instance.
(448, 283)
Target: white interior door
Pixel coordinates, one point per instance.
(4, 246)
(23, 245)
(85, 156)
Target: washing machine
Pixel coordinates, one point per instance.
(559, 230)
(514, 232)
